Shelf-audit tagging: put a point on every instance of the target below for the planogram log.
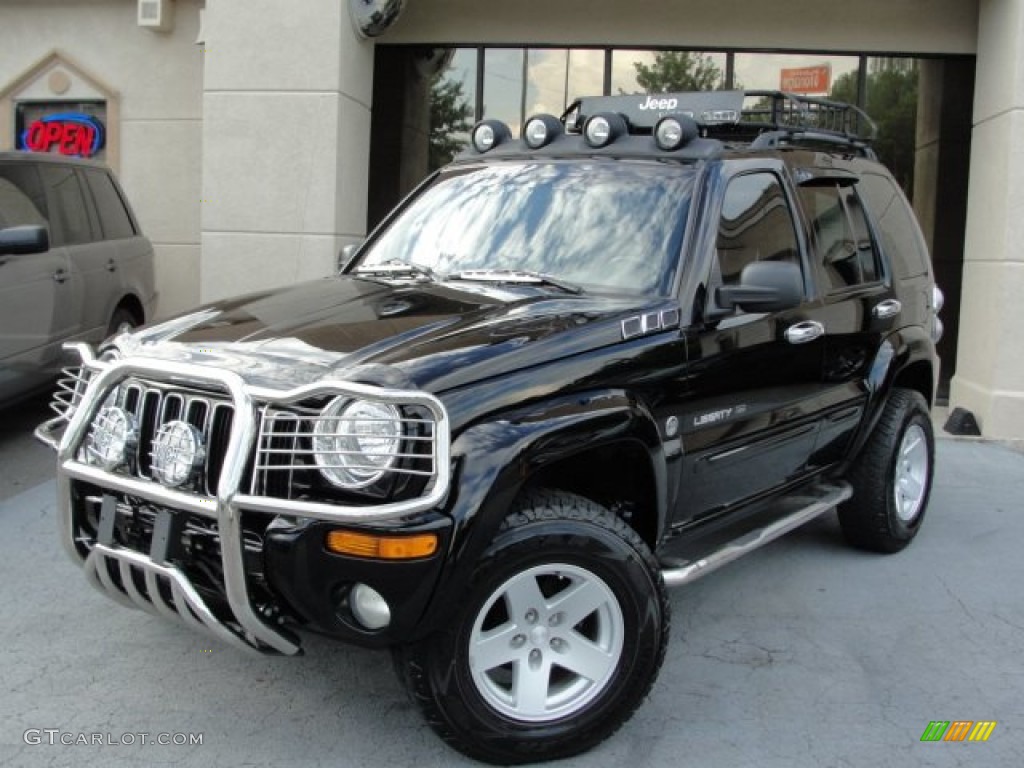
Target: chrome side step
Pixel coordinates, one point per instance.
(821, 500)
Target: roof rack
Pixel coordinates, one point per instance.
(765, 119)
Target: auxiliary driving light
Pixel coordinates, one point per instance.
(177, 452)
(541, 130)
(113, 436)
(369, 607)
(673, 132)
(488, 134)
(602, 129)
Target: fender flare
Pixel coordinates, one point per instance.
(897, 352)
(495, 459)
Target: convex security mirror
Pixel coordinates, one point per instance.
(372, 18)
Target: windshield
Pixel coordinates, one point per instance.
(602, 226)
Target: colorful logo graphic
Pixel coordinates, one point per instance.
(72, 133)
(958, 730)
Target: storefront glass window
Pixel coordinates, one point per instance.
(890, 99)
(809, 74)
(503, 86)
(452, 106)
(661, 71)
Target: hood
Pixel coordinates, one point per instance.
(433, 336)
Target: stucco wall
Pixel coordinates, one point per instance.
(910, 26)
(286, 142)
(159, 79)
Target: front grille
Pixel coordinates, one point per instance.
(286, 464)
(154, 406)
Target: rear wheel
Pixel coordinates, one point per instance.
(892, 478)
(122, 321)
(559, 639)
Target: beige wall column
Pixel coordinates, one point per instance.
(990, 361)
(286, 131)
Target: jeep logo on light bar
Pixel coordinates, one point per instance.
(659, 104)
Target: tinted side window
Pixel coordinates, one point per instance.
(113, 217)
(22, 201)
(842, 236)
(756, 225)
(67, 205)
(897, 227)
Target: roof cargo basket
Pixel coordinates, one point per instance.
(765, 119)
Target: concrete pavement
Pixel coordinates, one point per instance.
(805, 653)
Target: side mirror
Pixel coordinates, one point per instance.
(346, 254)
(24, 240)
(765, 286)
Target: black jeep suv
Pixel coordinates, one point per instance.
(570, 371)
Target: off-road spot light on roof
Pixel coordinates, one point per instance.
(487, 134)
(674, 131)
(541, 130)
(602, 129)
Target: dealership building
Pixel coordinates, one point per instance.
(256, 138)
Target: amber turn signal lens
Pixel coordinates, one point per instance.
(382, 547)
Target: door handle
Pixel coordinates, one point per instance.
(803, 332)
(111, 266)
(887, 308)
(60, 276)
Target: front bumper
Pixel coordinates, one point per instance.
(152, 577)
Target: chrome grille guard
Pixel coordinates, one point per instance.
(227, 505)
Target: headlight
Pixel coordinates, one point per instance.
(356, 441)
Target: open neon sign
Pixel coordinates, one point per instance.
(71, 133)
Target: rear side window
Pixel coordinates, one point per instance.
(897, 227)
(22, 200)
(114, 218)
(845, 251)
(756, 225)
(67, 206)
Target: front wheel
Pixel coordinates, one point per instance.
(559, 639)
(892, 478)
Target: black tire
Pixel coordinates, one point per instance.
(122, 320)
(558, 543)
(892, 478)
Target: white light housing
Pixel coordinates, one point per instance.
(674, 131)
(488, 134)
(369, 607)
(541, 130)
(112, 437)
(602, 129)
(356, 441)
(668, 134)
(177, 451)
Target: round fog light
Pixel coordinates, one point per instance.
(113, 435)
(370, 609)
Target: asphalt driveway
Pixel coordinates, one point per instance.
(802, 654)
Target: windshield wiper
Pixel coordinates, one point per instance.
(521, 276)
(393, 267)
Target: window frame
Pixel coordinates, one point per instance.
(822, 277)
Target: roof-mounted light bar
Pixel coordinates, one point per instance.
(487, 134)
